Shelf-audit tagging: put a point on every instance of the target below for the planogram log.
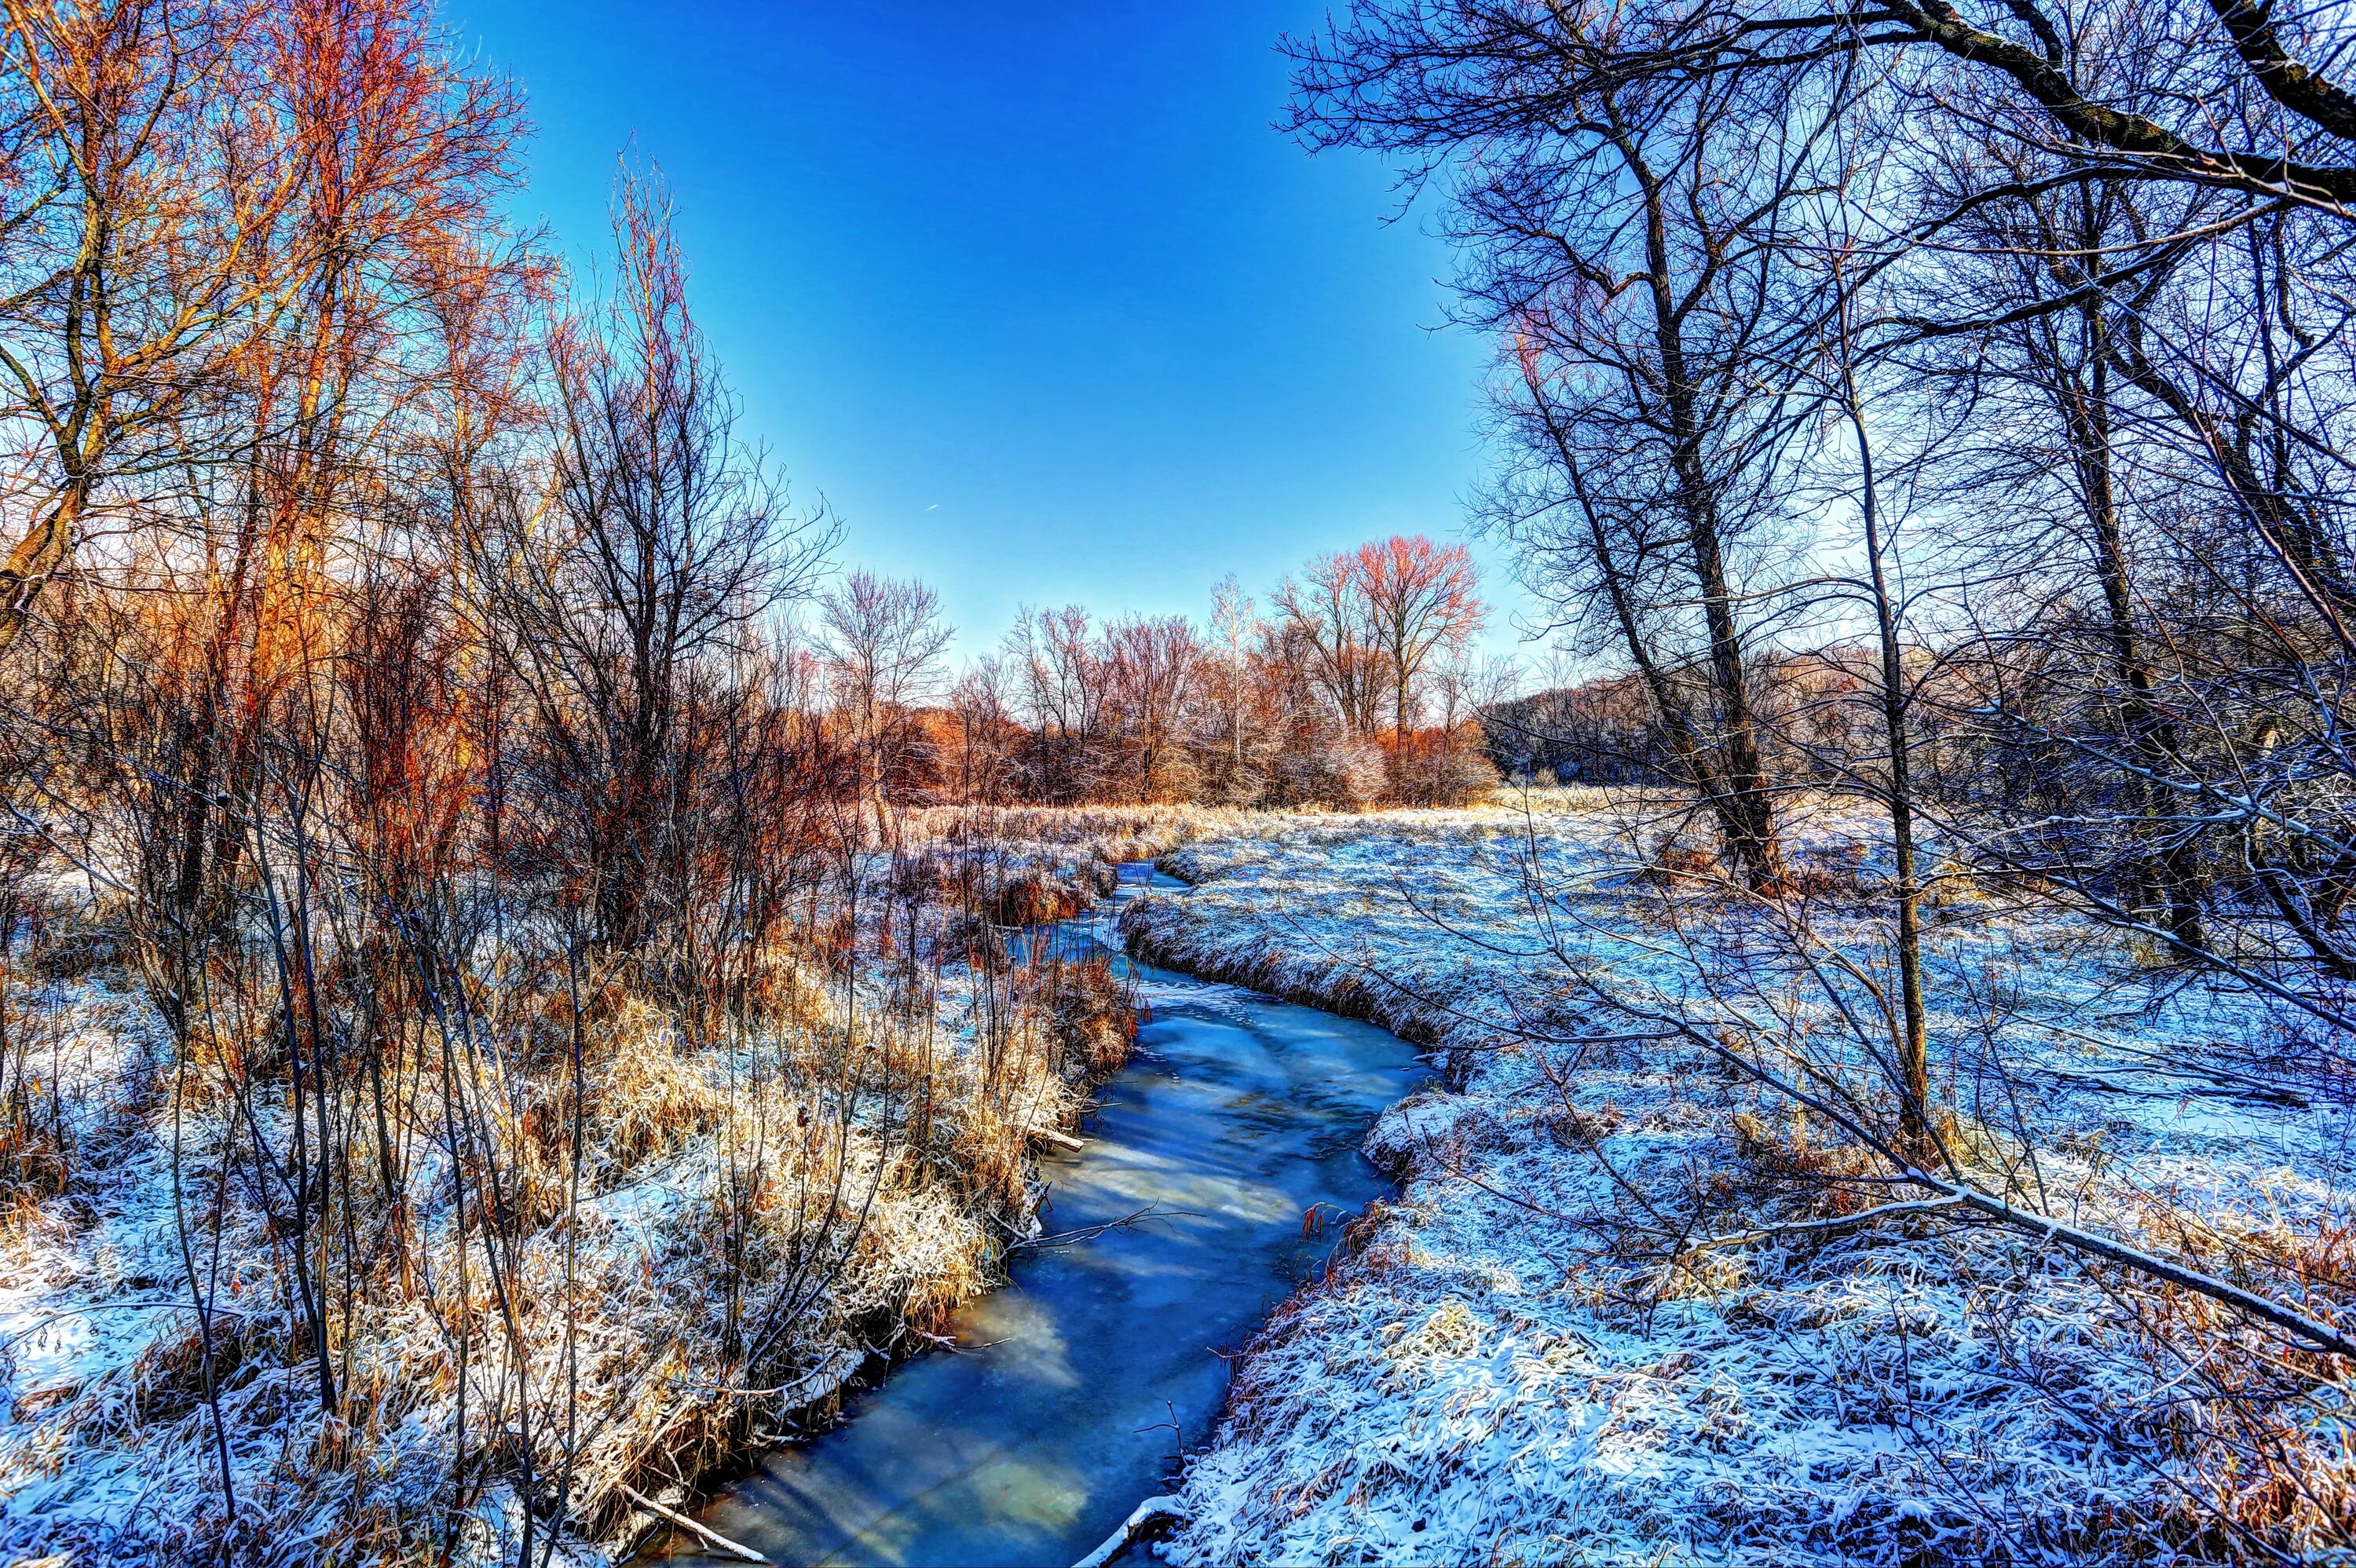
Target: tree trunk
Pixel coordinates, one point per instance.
(36, 557)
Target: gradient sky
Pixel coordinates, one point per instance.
(1031, 294)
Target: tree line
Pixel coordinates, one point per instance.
(1358, 685)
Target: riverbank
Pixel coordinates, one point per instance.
(1520, 1362)
(1524, 1357)
(763, 1208)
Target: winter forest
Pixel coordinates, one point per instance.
(1777, 985)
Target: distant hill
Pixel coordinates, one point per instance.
(1595, 733)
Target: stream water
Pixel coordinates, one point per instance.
(1073, 1387)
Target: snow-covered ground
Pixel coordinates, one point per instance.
(106, 1455)
(861, 1225)
(1527, 1358)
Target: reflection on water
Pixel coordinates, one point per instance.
(1077, 1382)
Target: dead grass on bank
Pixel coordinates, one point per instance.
(1106, 834)
(767, 1204)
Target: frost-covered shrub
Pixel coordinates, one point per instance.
(1442, 770)
(1347, 775)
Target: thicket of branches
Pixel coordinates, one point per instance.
(2013, 344)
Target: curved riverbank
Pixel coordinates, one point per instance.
(1207, 1190)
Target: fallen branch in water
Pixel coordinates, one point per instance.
(1090, 1232)
(710, 1536)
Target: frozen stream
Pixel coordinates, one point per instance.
(1033, 1441)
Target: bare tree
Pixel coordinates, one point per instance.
(1630, 234)
(1233, 626)
(1467, 689)
(1061, 671)
(1154, 666)
(987, 732)
(662, 536)
(1327, 611)
(884, 639)
(1421, 599)
(148, 219)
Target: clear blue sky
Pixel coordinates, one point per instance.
(1031, 293)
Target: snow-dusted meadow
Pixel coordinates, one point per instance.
(1566, 1340)
(1584, 1331)
(106, 1454)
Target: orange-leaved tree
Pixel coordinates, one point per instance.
(1421, 599)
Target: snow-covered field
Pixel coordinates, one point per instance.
(1530, 1358)
(1563, 1343)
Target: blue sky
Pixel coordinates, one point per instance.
(1031, 293)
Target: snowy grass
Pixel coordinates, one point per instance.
(1523, 1360)
(724, 1172)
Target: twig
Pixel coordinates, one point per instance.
(1807, 1227)
(2318, 1334)
(711, 1536)
(1090, 1232)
